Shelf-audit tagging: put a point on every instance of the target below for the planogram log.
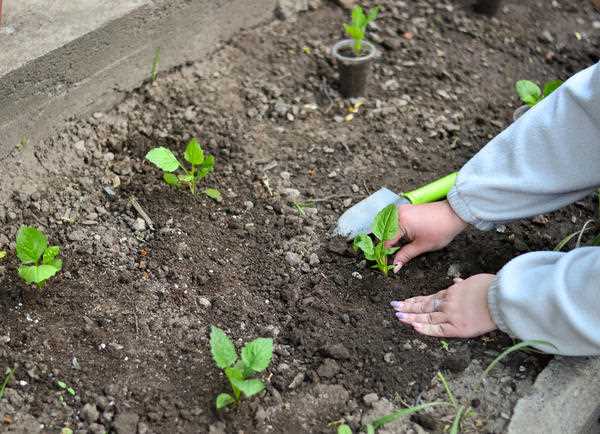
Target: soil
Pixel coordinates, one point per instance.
(126, 323)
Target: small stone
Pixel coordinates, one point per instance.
(205, 302)
(596, 25)
(453, 271)
(293, 259)
(217, 428)
(126, 423)
(328, 368)
(291, 194)
(297, 381)
(313, 259)
(90, 413)
(540, 220)
(370, 398)
(392, 43)
(546, 36)
(355, 188)
(139, 225)
(336, 351)
(388, 358)
(96, 428)
(249, 205)
(77, 235)
(357, 275)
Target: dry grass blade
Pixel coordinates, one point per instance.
(569, 237)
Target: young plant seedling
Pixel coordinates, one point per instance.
(202, 164)
(2, 254)
(39, 261)
(357, 29)
(530, 93)
(385, 228)
(255, 357)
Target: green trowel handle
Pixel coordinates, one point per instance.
(431, 192)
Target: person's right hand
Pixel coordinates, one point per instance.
(426, 227)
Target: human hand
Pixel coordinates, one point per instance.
(427, 227)
(460, 311)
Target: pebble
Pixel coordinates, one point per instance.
(328, 368)
(139, 225)
(313, 259)
(293, 259)
(126, 423)
(370, 398)
(90, 413)
(291, 194)
(77, 235)
(336, 351)
(346, 4)
(388, 358)
(297, 381)
(204, 302)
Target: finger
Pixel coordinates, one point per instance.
(402, 305)
(457, 280)
(424, 305)
(423, 318)
(406, 253)
(444, 330)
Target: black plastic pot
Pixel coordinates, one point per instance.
(487, 7)
(354, 71)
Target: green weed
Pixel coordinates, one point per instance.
(530, 93)
(358, 27)
(39, 261)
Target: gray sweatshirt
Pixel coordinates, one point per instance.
(547, 159)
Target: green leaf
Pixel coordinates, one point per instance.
(370, 429)
(193, 152)
(386, 226)
(354, 32)
(221, 348)
(66, 430)
(514, 348)
(249, 387)
(359, 19)
(171, 179)
(373, 14)
(391, 250)
(163, 158)
(49, 254)
(61, 384)
(529, 92)
(213, 193)
(455, 428)
(37, 273)
(344, 429)
(223, 400)
(2, 254)
(257, 354)
(71, 391)
(186, 178)
(206, 167)
(551, 86)
(364, 243)
(31, 244)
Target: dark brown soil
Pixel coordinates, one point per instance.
(126, 323)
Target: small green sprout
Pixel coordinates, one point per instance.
(39, 261)
(385, 228)
(155, 63)
(2, 254)
(10, 373)
(202, 165)
(445, 346)
(62, 385)
(255, 357)
(530, 93)
(357, 29)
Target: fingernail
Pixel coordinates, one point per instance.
(397, 267)
(400, 315)
(396, 304)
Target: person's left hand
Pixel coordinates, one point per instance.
(459, 311)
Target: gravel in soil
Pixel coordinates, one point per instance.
(126, 323)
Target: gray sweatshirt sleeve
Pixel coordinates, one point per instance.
(547, 159)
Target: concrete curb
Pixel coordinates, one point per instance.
(88, 73)
(565, 399)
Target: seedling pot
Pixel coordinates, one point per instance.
(354, 71)
(520, 112)
(487, 7)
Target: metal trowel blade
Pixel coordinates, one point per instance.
(359, 217)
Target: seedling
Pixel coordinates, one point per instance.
(2, 254)
(255, 357)
(385, 228)
(39, 261)
(357, 29)
(530, 93)
(155, 63)
(62, 385)
(202, 164)
(445, 345)
(10, 372)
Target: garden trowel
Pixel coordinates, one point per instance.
(359, 218)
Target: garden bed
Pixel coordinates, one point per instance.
(126, 323)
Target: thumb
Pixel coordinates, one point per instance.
(406, 253)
